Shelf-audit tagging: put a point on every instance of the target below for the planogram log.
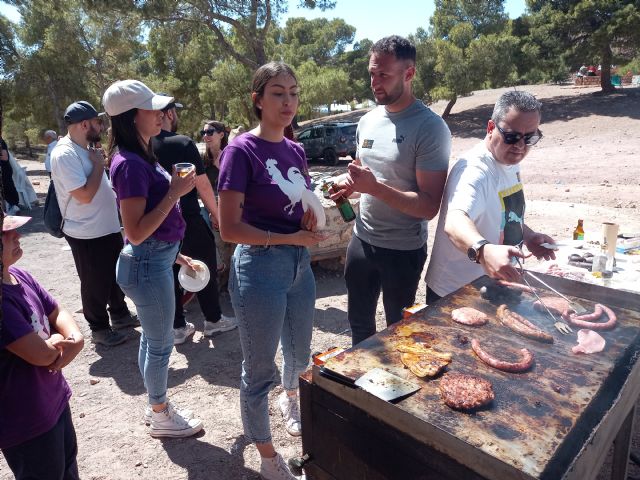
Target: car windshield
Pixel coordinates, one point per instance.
(349, 130)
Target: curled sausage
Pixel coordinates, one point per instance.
(513, 367)
(586, 321)
(520, 325)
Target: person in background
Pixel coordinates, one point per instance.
(215, 137)
(400, 169)
(481, 223)
(91, 223)
(37, 340)
(171, 148)
(11, 195)
(153, 226)
(51, 139)
(263, 178)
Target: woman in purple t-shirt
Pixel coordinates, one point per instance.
(153, 227)
(264, 195)
(37, 340)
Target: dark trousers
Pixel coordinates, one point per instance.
(199, 244)
(95, 261)
(431, 296)
(368, 270)
(51, 455)
(8, 187)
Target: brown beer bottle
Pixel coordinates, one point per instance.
(578, 233)
(344, 205)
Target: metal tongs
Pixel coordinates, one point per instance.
(560, 325)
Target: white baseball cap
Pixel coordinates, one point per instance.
(125, 95)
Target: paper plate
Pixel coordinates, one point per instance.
(313, 202)
(191, 284)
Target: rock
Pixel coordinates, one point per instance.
(81, 415)
(567, 190)
(93, 381)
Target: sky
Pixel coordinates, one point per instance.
(373, 19)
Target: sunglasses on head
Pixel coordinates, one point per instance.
(210, 131)
(511, 138)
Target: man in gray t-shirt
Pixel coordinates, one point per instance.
(400, 170)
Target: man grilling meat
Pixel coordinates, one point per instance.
(481, 223)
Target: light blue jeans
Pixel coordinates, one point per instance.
(144, 272)
(273, 293)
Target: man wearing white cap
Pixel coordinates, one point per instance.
(91, 224)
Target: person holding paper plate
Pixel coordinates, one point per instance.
(153, 225)
(268, 209)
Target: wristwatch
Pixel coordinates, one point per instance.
(474, 250)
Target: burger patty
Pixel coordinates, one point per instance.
(464, 392)
(469, 316)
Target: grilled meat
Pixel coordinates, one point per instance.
(465, 392)
(469, 316)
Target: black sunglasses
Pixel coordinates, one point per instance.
(511, 138)
(210, 131)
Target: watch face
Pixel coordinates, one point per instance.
(472, 253)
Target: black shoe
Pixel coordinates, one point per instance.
(128, 320)
(108, 337)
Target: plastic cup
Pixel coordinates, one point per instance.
(183, 169)
(609, 237)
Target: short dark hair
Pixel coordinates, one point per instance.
(519, 99)
(262, 76)
(123, 135)
(395, 45)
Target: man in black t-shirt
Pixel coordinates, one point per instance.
(198, 243)
(8, 187)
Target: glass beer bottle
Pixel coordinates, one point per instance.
(578, 233)
(344, 205)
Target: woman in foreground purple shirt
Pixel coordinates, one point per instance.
(264, 199)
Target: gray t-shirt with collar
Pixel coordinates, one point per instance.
(394, 146)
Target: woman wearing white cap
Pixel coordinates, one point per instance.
(153, 227)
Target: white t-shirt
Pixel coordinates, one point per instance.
(70, 169)
(47, 158)
(491, 194)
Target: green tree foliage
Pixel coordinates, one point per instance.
(321, 86)
(598, 31)
(356, 63)
(319, 40)
(67, 54)
(468, 48)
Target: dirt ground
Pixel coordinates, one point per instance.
(586, 167)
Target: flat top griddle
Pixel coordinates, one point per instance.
(539, 420)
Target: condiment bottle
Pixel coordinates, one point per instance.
(344, 205)
(578, 233)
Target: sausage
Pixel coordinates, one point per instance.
(584, 321)
(516, 323)
(513, 367)
(517, 286)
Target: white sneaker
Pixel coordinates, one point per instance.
(291, 413)
(275, 469)
(184, 412)
(181, 334)
(170, 423)
(223, 325)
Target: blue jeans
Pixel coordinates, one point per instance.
(144, 272)
(273, 293)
